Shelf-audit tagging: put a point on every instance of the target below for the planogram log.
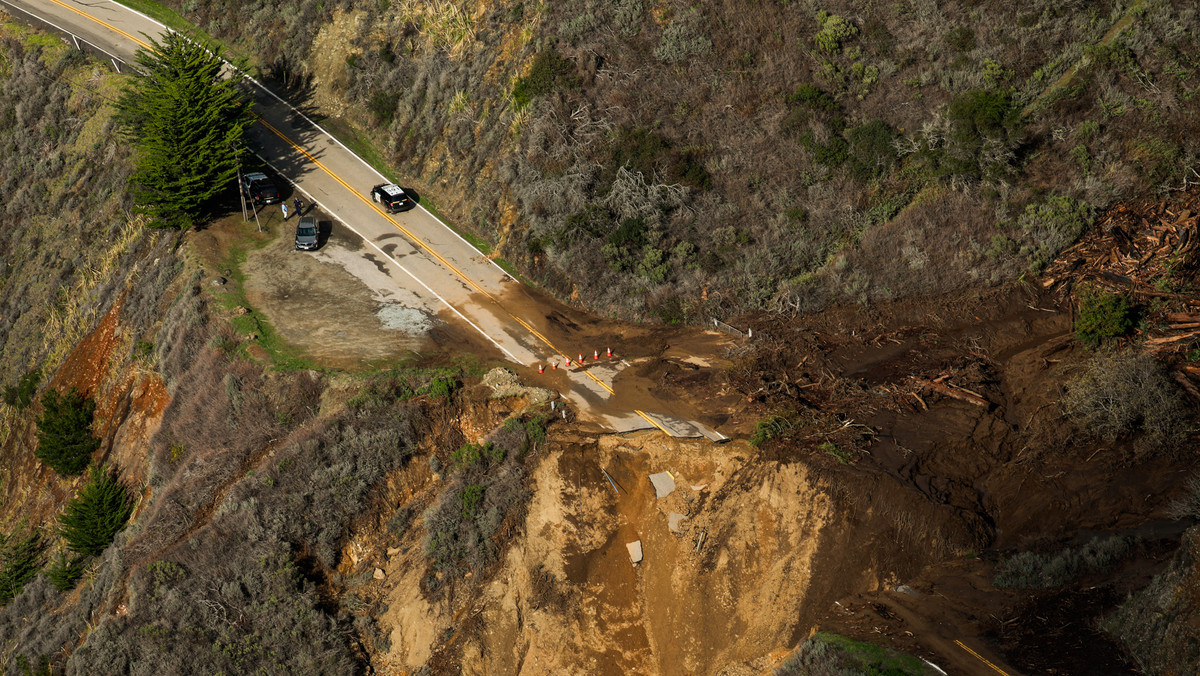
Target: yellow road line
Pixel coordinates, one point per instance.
(102, 23)
(981, 658)
(461, 275)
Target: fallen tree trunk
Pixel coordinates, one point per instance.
(955, 393)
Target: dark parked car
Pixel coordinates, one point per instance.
(392, 197)
(259, 189)
(306, 234)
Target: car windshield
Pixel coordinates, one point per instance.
(306, 231)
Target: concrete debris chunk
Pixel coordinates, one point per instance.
(673, 520)
(635, 551)
(664, 484)
(379, 574)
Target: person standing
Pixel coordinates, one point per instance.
(284, 205)
(299, 206)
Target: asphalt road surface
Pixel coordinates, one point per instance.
(452, 279)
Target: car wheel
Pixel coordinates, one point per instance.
(375, 196)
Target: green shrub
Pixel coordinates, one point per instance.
(813, 98)
(639, 149)
(870, 149)
(65, 571)
(831, 154)
(65, 440)
(1102, 316)
(486, 486)
(961, 39)
(1051, 226)
(383, 106)
(834, 451)
(94, 517)
(442, 387)
(20, 561)
(834, 31)
(470, 498)
(984, 130)
(548, 72)
(1028, 570)
(689, 169)
(632, 233)
(1127, 393)
(21, 395)
(770, 428)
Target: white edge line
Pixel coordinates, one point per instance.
(335, 140)
(393, 260)
(68, 32)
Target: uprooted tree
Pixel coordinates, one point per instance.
(186, 119)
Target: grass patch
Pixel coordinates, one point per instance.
(826, 653)
(283, 355)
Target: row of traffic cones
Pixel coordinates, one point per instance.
(567, 362)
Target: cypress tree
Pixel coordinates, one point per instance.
(186, 120)
(20, 561)
(65, 440)
(95, 516)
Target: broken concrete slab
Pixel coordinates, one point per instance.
(673, 520)
(635, 551)
(664, 484)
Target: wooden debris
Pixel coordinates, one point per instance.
(1171, 339)
(954, 392)
(1187, 384)
(920, 401)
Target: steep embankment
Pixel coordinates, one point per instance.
(672, 160)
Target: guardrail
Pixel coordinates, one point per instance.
(68, 37)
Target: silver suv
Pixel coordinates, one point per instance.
(306, 234)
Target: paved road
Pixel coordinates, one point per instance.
(416, 249)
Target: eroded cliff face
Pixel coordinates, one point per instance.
(565, 597)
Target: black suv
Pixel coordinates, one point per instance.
(306, 234)
(259, 189)
(392, 197)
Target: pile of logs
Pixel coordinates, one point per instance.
(1133, 247)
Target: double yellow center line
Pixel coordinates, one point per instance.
(89, 17)
(441, 259)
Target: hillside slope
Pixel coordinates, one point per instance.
(677, 160)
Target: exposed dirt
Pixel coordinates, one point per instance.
(325, 302)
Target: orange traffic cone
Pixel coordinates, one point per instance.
(581, 359)
(596, 355)
(541, 369)
(608, 350)
(554, 366)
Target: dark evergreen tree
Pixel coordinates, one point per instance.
(65, 440)
(65, 570)
(186, 119)
(95, 516)
(20, 561)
